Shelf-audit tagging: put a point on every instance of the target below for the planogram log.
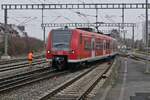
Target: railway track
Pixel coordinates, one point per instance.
(3, 62)
(20, 65)
(141, 58)
(136, 57)
(78, 87)
(16, 81)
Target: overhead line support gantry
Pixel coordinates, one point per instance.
(96, 6)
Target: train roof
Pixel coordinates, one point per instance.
(89, 30)
(95, 33)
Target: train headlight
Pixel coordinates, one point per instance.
(48, 51)
(72, 51)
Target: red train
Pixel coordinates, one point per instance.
(77, 46)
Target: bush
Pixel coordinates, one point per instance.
(22, 45)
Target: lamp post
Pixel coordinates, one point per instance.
(147, 37)
(5, 56)
(43, 28)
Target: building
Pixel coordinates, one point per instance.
(13, 31)
(115, 34)
(18, 29)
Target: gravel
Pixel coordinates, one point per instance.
(35, 90)
(21, 70)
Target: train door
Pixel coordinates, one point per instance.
(104, 47)
(93, 46)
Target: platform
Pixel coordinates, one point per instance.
(133, 83)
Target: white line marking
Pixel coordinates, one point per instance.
(121, 96)
(125, 69)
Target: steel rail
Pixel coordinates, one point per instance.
(24, 74)
(21, 65)
(3, 62)
(58, 89)
(28, 79)
(139, 58)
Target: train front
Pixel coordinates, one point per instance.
(58, 48)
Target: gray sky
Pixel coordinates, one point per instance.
(32, 18)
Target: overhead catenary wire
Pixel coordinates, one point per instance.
(32, 1)
(82, 1)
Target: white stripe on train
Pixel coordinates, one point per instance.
(90, 59)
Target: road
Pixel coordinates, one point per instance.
(133, 83)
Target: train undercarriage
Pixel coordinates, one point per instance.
(60, 62)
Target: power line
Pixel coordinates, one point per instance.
(14, 19)
(32, 1)
(29, 19)
(81, 1)
(43, 1)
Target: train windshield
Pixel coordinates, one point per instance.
(61, 39)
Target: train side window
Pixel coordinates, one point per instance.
(99, 45)
(87, 45)
(80, 38)
(92, 45)
(107, 45)
(111, 45)
(104, 45)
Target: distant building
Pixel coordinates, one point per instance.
(19, 29)
(144, 32)
(13, 31)
(115, 34)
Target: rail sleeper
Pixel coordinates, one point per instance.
(78, 88)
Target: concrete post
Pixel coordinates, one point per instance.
(5, 56)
